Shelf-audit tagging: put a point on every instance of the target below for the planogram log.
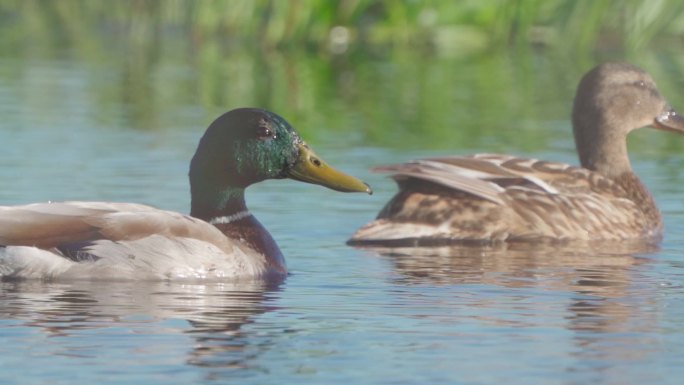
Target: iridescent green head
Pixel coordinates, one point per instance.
(248, 145)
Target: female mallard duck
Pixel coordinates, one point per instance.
(220, 239)
(504, 198)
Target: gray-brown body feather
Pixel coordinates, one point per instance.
(102, 240)
(47, 225)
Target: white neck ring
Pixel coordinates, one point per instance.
(230, 218)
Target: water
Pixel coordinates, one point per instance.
(73, 127)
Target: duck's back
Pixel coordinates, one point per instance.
(489, 197)
(101, 240)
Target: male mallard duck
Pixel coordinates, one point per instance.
(220, 238)
(504, 198)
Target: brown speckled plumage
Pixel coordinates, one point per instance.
(490, 197)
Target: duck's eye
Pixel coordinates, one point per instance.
(264, 133)
(640, 83)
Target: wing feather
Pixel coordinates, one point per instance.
(489, 175)
(48, 225)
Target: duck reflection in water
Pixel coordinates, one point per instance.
(212, 314)
(597, 294)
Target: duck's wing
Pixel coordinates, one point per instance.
(48, 225)
(497, 197)
(51, 224)
(446, 174)
(535, 174)
(488, 176)
(493, 176)
(97, 240)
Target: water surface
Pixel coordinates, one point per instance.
(116, 124)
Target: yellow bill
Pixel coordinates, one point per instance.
(311, 168)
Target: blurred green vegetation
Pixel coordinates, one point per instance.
(437, 74)
(443, 25)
